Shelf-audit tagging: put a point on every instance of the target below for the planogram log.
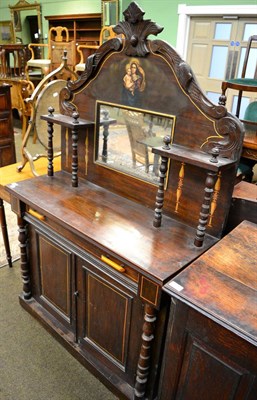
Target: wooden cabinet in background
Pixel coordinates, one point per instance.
(211, 345)
(83, 28)
(7, 146)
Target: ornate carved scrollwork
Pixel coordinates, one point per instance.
(227, 128)
(229, 141)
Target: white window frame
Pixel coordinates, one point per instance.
(186, 12)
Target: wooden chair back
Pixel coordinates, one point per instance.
(57, 36)
(245, 83)
(137, 133)
(85, 50)
(58, 41)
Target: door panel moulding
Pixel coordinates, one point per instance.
(186, 12)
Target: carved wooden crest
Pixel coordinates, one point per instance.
(136, 30)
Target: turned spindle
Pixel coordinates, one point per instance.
(74, 164)
(50, 151)
(205, 209)
(162, 177)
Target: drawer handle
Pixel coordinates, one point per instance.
(113, 264)
(36, 215)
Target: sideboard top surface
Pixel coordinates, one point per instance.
(113, 222)
(223, 281)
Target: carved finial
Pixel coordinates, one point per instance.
(215, 153)
(133, 13)
(75, 116)
(136, 30)
(166, 141)
(50, 111)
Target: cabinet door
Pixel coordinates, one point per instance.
(53, 269)
(203, 360)
(110, 319)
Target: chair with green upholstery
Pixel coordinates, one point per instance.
(251, 112)
(245, 83)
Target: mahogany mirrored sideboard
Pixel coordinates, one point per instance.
(148, 168)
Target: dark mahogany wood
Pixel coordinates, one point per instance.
(181, 97)
(145, 352)
(96, 265)
(7, 146)
(23, 259)
(20, 54)
(50, 151)
(160, 193)
(211, 346)
(82, 210)
(243, 205)
(74, 124)
(205, 209)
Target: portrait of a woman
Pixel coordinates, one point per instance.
(133, 84)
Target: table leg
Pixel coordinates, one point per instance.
(5, 233)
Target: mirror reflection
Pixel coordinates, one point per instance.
(125, 138)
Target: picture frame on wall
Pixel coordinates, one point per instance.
(6, 32)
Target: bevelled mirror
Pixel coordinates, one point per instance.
(26, 19)
(110, 12)
(125, 137)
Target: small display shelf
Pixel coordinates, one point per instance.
(209, 162)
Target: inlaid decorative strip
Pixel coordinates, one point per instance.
(181, 176)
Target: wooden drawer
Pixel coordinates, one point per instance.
(111, 261)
